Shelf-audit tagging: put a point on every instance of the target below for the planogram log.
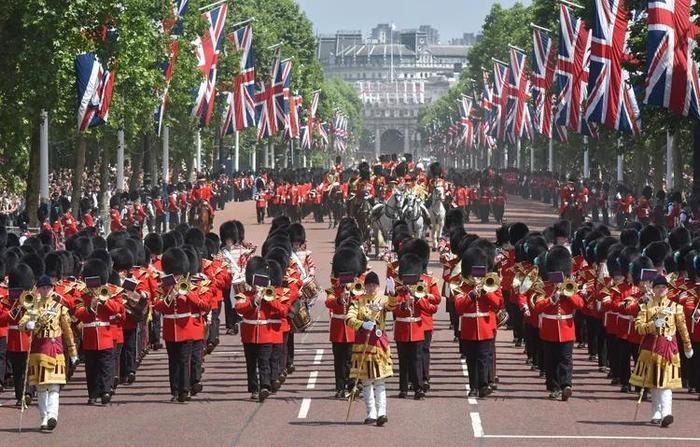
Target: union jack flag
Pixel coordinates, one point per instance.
(173, 25)
(240, 103)
(281, 93)
(500, 98)
(465, 110)
(486, 94)
(323, 133)
(94, 91)
(340, 123)
(672, 72)
(572, 68)
(295, 103)
(544, 61)
(517, 94)
(207, 50)
(611, 99)
(265, 104)
(307, 131)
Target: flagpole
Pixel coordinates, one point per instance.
(517, 153)
(669, 161)
(586, 159)
(620, 161)
(550, 155)
(532, 157)
(211, 5)
(245, 22)
(291, 151)
(237, 155)
(253, 158)
(44, 158)
(120, 160)
(166, 154)
(198, 154)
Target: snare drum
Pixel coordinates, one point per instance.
(302, 320)
(310, 289)
(238, 287)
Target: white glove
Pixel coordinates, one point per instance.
(30, 325)
(689, 354)
(659, 322)
(74, 361)
(390, 286)
(368, 325)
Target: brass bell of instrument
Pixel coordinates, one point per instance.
(269, 293)
(103, 294)
(183, 287)
(27, 300)
(357, 288)
(569, 287)
(420, 290)
(491, 282)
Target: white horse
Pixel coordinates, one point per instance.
(437, 214)
(413, 212)
(384, 215)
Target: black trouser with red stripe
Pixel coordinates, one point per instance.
(558, 359)
(410, 364)
(257, 362)
(342, 353)
(478, 353)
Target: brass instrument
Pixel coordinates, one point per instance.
(357, 288)
(491, 282)
(27, 300)
(183, 286)
(419, 290)
(528, 280)
(268, 293)
(568, 288)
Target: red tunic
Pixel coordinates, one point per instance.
(261, 324)
(556, 321)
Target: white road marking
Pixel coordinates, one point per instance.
(311, 384)
(476, 424)
(304, 409)
(471, 400)
(465, 370)
(622, 438)
(318, 356)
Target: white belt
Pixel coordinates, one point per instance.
(339, 316)
(176, 316)
(96, 324)
(408, 319)
(612, 314)
(476, 315)
(625, 317)
(13, 327)
(259, 322)
(558, 316)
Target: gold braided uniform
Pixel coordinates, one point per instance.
(47, 361)
(659, 362)
(377, 356)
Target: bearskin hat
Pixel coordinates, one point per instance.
(616, 264)
(297, 233)
(98, 242)
(154, 243)
(637, 265)
(649, 234)
(3, 237)
(96, 267)
(241, 231)
(679, 259)
(410, 264)
(20, 277)
(577, 245)
(689, 263)
(53, 265)
(657, 251)
(3, 268)
(558, 259)
(65, 204)
(182, 228)
(348, 233)
(471, 258)
(12, 240)
(211, 248)
(456, 235)
(516, 232)
(256, 265)
(122, 259)
(629, 237)
(602, 248)
(488, 247)
(401, 170)
(347, 260)
(193, 259)
(175, 262)
(168, 241)
(35, 262)
(562, 229)
(195, 238)
(647, 192)
(678, 237)
(276, 273)
(502, 237)
(454, 218)
(435, 170)
(364, 170)
(102, 255)
(278, 254)
(418, 247)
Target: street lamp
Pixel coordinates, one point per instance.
(391, 45)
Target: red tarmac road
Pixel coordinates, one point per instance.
(303, 413)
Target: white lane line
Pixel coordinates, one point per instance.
(465, 370)
(471, 400)
(304, 409)
(622, 438)
(476, 424)
(311, 384)
(318, 356)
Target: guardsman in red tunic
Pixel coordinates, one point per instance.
(476, 304)
(160, 212)
(20, 281)
(408, 327)
(347, 267)
(555, 315)
(260, 327)
(70, 226)
(173, 208)
(95, 308)
(176, 303)
(261, 198)
(205, 288)
(182, 201)
(115, 220)
(5, 307)
(88, 220)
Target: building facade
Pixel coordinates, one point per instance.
(396, 74)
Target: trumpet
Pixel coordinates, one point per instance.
(183, 287)
(357, 288)
(27, 300)
(491, 282)
(269, 293)
(419, 290)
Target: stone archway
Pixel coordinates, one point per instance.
(392, 141)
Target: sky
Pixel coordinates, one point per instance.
(451, 18)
